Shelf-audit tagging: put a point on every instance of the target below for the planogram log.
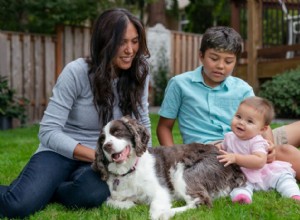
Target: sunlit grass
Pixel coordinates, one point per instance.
(17, 145)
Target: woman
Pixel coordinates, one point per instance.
(89, 92)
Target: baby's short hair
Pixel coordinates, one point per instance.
(263, 106)
(223, 39)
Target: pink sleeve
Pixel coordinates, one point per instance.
(259, 144)
(225, 142)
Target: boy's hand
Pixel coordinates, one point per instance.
(226, 158)
(219, 146)
(271, 152)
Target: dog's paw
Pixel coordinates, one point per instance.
(120, 204)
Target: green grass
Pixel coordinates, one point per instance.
(17, 145)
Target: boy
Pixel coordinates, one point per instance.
(204, 100)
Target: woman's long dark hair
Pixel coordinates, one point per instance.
(108, 32)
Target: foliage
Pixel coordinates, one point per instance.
(10, 106)
(207, 13)
(284, 92)
(160, 76)
(271, 37)
(174, 10)
(43, 16)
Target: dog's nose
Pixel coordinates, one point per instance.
(108, 147)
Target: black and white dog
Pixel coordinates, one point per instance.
(156, 176)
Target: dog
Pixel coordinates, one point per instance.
(158, 175)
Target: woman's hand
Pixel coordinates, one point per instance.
(84, 153)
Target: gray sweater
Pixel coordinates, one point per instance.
(71, 117)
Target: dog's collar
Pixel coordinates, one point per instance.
(132, 168)
(117, 181)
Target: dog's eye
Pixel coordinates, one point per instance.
(116, 132)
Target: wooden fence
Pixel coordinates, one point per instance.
(33, 62)
(184, 51)
(267, 66)
(71, 43)
(29, 62)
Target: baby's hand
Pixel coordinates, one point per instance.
(226, 158)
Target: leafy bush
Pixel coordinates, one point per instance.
(10, 106)
(284, 92)
(160, 77)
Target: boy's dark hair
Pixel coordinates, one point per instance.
(221, 38)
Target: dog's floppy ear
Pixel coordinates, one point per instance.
(139, 132)
(100, 163)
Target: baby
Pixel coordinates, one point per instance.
(246, 147)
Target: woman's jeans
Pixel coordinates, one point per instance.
(50, 177)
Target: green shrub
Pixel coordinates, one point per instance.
(284, 92)
(10, 105)
(160, 77)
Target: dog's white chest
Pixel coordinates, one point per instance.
(119, 184)
(122, 188)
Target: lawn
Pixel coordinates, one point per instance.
(17, 145)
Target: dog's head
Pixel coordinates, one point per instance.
(119, 143)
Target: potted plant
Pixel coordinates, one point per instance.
(10, 106)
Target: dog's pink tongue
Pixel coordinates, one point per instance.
(120, 157)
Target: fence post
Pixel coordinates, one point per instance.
(58, 50)
(4, 54)
(253, 13)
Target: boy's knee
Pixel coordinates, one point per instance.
(283, 150)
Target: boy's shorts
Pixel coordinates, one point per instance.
(279, 135)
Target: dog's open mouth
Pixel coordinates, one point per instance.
(121, 156)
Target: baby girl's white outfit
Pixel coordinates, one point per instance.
(277, 175)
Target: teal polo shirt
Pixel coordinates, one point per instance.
(204, 114)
